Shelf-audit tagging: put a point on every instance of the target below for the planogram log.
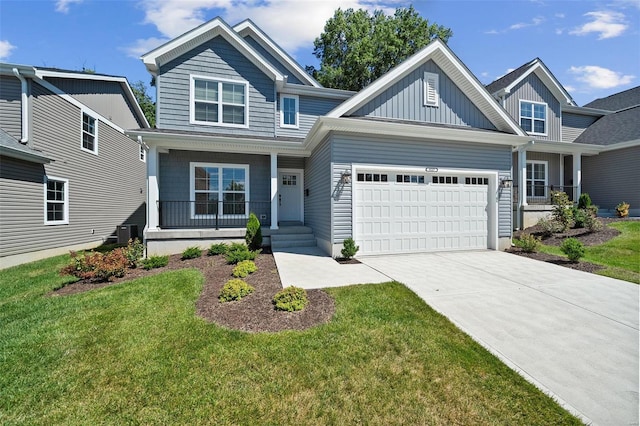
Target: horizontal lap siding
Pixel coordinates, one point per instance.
(574, 124)
(215, 58)
(104, 191)
(405, 101)
(317, 205)
(309, 110)
(348, 149)
(533, 89)
(11, 106)
(290, 162)
(605, 177)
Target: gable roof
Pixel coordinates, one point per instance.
(506, 83)
(205, 32)
(248, 28)
(617, 101)
(11, 147)
(622, 126)
(440, 53)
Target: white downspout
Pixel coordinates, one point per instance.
(25, 106)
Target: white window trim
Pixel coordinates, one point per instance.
(546, 178)
(192, 189)
(297, 99)
(142, 154)
(95, 141)
(192, 109)
(546, 115)
(435, 100)
(65, 221)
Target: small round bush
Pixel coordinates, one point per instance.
(154, 262)
(291, 299)
(216, 249)
(528, 243)
(573, 248)
(191, 253)
(235, 290)
(244, 268)
(238, 252)
(349, 248)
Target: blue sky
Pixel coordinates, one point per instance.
(592, 47)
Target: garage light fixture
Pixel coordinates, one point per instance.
(506, 182)
(346, 176)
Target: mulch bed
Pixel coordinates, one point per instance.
(254, 313)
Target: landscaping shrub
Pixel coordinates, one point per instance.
(592, 223)
(154, 262)
(584, 201)
(549, 227)
(528, 243)
(253, 236)
(238, 252)
(216, 249)
(234, 289)
(580, 217)
(134, 252)
(622, 209)
(191, 253)
(349, 248)
(573, 248)
(291, 299)
(97, 266)
(562, 211)
(244, 268)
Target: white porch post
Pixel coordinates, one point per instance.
(274, 190)
(153, 192)
(562, 171)
(577, 176)
(522, 177)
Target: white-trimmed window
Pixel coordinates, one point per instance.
(219, 101)
(537, 178)
(219, 189)
(533, 117)
(89, 141)
(431, 89)
(56, 201)
(289, 111)
(143, 154)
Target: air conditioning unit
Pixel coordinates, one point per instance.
(126, 232)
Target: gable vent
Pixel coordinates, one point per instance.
(431, 89)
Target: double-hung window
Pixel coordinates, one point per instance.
(219, 102)
(219, 189)
(536, 178)
(533, 117)
(289, 111)
(56, 201)
(89, 133)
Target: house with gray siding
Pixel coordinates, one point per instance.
(69, 176)
(422, 159)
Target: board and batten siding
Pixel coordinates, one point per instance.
(214, 58)
(309, 109)
(284, 69)
(11, 106)
(105, 97)
(533, 89)
(379, 151)
(404, 100)
(574, 124)
(105, 190)
(317, 205)
(606, 178)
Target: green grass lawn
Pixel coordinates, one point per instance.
(135, 353)
(621, 255)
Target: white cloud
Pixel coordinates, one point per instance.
(569, 88)
(607, 24)
(559, 31)
(62, 6)
(534, 22)
(559, 15)
(5, 49)
(144, 45)
(600, 78)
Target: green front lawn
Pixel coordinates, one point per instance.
(135, 353)
(621, 255)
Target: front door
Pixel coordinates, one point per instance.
(289, 195)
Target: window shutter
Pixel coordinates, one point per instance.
(431, 89)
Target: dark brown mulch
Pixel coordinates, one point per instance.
(557, 260)
(254, 313)
(345, 261)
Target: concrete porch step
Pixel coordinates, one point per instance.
(288, 230)
(309, 242)
(292, 236)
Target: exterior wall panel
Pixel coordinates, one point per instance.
(11, 106)
(309, 110)
(606, 178)
(284, 69)
(574, 124)
(317, 205)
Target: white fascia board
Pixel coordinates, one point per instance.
(319, 92)
(585, 110)
(25, 70)
(248, 27)
(207, 31)
(620, 145)
(23, 155)
(74, 101)
(552, 147)
(548, 79)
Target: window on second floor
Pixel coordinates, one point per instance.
(219, 102)
(89, 133)
(533, 117)
(289, 111)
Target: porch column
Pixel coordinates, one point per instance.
(562, 171)
(153, 192)
(522, 177)
(577, 176)
(274, 190)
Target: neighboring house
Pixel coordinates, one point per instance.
(68, 174)
(593, 149)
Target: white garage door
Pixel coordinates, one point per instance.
(398, 212)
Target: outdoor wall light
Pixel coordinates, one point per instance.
(506, 182)
(346, 176)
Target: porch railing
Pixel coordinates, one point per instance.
(211, 214)
(541, 194)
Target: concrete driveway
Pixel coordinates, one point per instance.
(573, 334)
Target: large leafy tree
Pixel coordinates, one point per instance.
(148, 106)
(357, 47)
